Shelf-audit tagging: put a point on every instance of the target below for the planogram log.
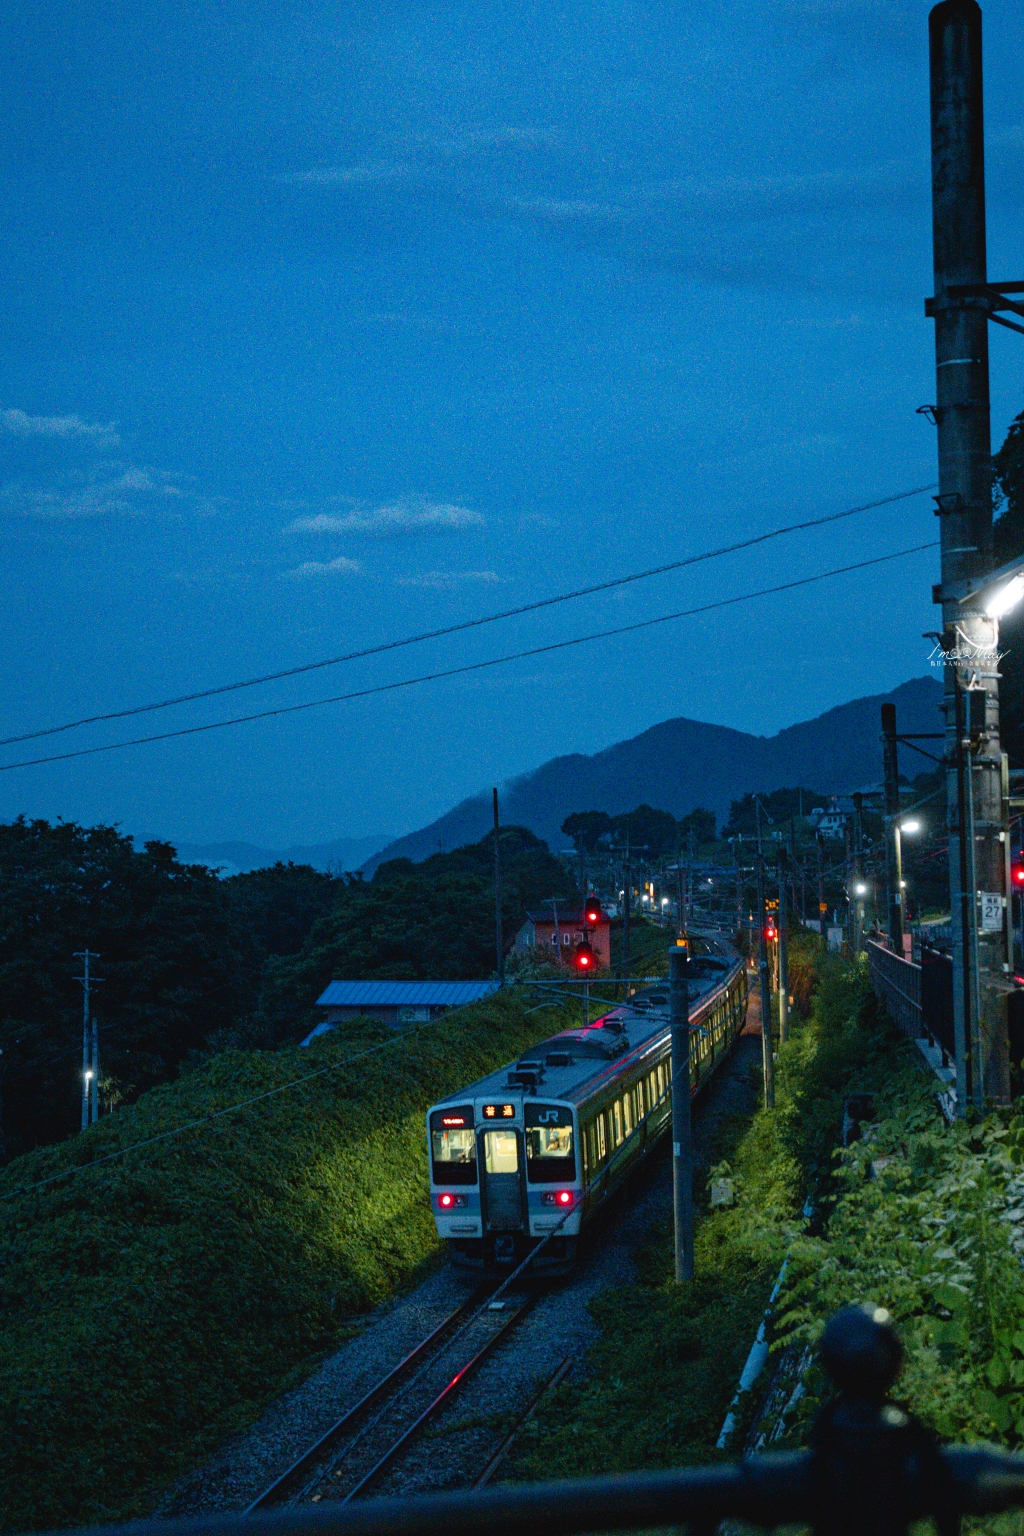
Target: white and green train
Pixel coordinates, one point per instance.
(541, 1144)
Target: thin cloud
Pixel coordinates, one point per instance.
(444, 581)
(19, 424)
(395, 520)
(337, 567)
(106, 491)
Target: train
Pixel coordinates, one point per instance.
(523, 1159)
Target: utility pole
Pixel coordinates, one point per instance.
(891, 810)
(682, 1142)
(767, 1058)
(819, 844)
(627, 880)
(737, 845)
(783, 952)
(961, 306)
(858, 871)
(499, 935)
(90, 1042)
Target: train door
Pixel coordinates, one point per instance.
(503, 1180)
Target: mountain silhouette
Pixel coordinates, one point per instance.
(684, 763)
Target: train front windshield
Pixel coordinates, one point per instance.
(453, 1146)
(550, 1153)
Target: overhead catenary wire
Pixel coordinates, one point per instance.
(475, 623)
(472, 666)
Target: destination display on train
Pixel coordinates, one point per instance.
(456, 1119)
(499, 1111)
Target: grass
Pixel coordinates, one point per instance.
(154, 1304)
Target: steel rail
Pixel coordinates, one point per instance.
(561, 1370)
(447, 1392)
(279, 1490)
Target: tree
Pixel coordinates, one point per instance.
(587, 828)
(781, 806)
(175, 968)
(278, 906)
(655, 831)
(699, 823)
(428, 921)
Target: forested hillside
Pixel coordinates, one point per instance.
(188, 964)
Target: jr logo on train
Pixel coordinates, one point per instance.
(521, 1160)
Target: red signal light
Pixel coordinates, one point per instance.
(592, 912)
(1017, 874)
(584, 957)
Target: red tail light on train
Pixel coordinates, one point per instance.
(449, 1202)
(562, 1197)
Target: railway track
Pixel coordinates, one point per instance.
(374, 1436)
(367, 1442)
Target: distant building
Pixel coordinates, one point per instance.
(557, 940)
(395, 1002)
(833, 819)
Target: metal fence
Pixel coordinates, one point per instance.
(871, 1470)
(919, 997)
(897, 983)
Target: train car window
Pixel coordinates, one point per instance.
(602, 1143)
(501, 1152)
(617, 1123)
(453, 1149)
(627, 1112)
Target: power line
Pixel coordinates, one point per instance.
(454, 629)
(473, 666)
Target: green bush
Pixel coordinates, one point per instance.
(154, 1303)
(693, 1338)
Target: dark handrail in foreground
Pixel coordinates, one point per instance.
(872, 1470)
(765, 1490)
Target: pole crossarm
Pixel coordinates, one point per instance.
(993, 298)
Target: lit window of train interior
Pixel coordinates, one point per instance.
(501, 1152)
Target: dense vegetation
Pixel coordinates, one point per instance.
(191, 964)
(699, 1333)
(176, 968)
(153, 1303)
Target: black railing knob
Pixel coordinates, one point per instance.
(861, 1351)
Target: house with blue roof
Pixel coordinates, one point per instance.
(395, 1002)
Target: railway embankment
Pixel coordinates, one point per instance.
(916, 1215)
(153, 1301)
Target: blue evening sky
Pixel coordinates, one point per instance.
(327, 323)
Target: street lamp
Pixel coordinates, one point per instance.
(910, 827)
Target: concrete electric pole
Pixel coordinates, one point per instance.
(783, 952)
(682, 1141)
(499, 936)
(891, 810)
(962, 305)
(90, 1042)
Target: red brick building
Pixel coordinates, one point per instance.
(557, 939)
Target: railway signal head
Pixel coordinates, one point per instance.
(1017, 874)
(592, 912)
(584, 958)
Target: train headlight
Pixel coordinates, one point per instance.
(449, 1202)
